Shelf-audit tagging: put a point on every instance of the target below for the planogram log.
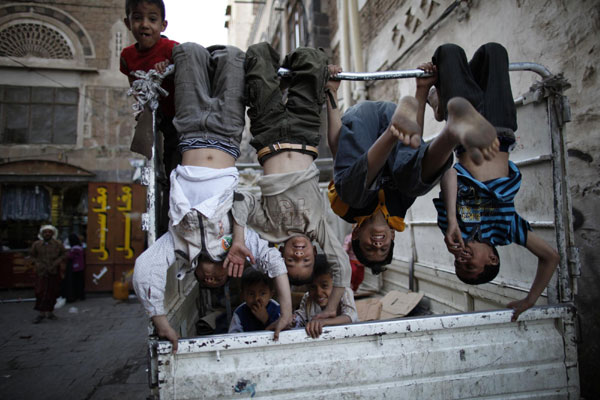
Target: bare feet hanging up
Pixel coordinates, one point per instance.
(472, 130)
(404, 122)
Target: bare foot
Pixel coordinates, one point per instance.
(472, 130)
(404, 121)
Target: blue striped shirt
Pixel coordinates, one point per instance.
(487, 206)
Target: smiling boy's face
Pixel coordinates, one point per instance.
(320, 289)
(375, 239)
(471, 261)
(146, 23)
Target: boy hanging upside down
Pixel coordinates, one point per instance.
(291, 208)
(382, 164)
(476, 209)
(209, 84)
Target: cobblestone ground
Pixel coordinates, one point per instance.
(95, 350)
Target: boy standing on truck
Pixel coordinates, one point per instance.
(316, 299)
(258, 310)
(291, 208)
(146, 21)
(209, 84)
(476, 209)
(381, 163)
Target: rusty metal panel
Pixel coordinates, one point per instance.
(478, 355)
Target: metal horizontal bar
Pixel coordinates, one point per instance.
(368, 76)
(534, 160)
(417, 73)
(529, 66)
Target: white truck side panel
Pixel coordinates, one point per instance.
(479, 355)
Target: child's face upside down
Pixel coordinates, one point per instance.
(472, 260)
(375, 238)
(299, 256)
(211, 274)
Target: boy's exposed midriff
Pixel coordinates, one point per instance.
(287, 161)
(490, 169)
(210, 158)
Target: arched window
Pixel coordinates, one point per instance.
(33, 39)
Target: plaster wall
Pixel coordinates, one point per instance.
(561, 35)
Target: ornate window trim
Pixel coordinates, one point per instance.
(33, 38)
(53, 18)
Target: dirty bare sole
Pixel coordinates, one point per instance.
(405, 120)
(473, 131)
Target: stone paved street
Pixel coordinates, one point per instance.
(96, 353)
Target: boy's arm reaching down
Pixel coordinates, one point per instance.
(548, 259)
(284, 295)
(238, 252)
(452, 236)
(245, 204)
(149, 281)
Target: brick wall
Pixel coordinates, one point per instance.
(105, 118)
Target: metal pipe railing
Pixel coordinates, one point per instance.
(417, 73)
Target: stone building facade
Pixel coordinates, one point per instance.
(65, 118)
(379, 35)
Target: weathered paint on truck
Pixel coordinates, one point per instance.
(476, 354)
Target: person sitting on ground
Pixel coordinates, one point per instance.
(258, 310)
(209, 83)
(316, 300)
(381, 163)
(48, 255)
(476, 209)
(291, 209)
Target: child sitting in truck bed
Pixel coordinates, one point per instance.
(210, 120)
(291, 208)
(476, 209)
(258, 310)
(316, 299)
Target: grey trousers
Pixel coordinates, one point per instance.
(209, 85)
